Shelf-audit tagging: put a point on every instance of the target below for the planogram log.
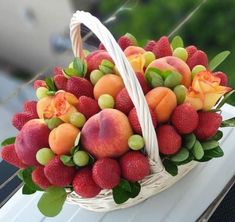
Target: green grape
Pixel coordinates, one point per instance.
(95, 76)
(198, 68)
(41, 92)
(81, 158)
(77, 119)
(149, 57)
(44, 155)
(106, 101)
(136, 142)
(54, 122)
(173, 80)
(181, 53)
(180, 92)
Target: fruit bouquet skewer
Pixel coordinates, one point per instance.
(119, 124)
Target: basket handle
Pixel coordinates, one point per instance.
(126, 72)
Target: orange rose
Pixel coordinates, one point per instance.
(205, 91)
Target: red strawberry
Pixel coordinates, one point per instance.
(84, 185)
(95, 58)
(198, 58)
(223, 78)
(58, 174)
(19, 119)
(101, 47)
(191, 50)
(58, 71)
(169, 141)
(123, 102)
(60, 82)
(185, 118)
(31, 107)
(126, 41)
(162, 47)
(9, 155)
(133, 119)
(39, 83)
(39, 178)
(142, 82)
(106, 173)
(208, 125)
(79, 87)
(134, 166)
(150, 45)
(84, 102)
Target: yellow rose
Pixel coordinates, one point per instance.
(205, 91)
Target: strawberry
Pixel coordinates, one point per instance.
(209, 122)
(79, 87)
(31, 107)
(39, 83)
(123, 102)
(9, 155)
(58, 174)
(150, 45)
(84, 102)
(101, 47)
(60, 82)
(169, 141)
(134, 166)
(58, 71)
(106, 173)
(126, 41)
(185, 118)
(162, 47)
(223, 78)
(198, 58)
(39, 178)
(95, 58)
(133, 119)
(19, 119)
(142, 82)
(191, 49)
(84, 185)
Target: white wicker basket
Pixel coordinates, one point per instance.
(159, 179)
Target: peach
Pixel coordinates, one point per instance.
(133, 50)
(163, 101)
(106, 134)
(108, 84)
(32, 137)
(62, 138)
(175, 64)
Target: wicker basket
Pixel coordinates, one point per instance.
(159, 179)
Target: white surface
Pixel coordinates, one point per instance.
(183, 202)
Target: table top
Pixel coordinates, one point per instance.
(184, 202)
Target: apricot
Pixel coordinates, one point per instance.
(108, 84)
(163, 101)
(62, 138)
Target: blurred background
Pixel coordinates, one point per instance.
(35, 37)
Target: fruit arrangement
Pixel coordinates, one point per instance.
(83, 134)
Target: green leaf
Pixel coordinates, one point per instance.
(135, 189)
(119, 195)
(8, 141)
(67, 160)
(125, 185)
(211, 144)
(224, 100)
(51, 93)
(197, 150)
(27, 178)
(204, 159)
(228, 123)
(74, 150)
(80, 66)
(189, 141)
(170, 167)
(52, 201)
(214, 153)
(50, 84)
(176, 42)
(20, 175)
(182, 155)
(218, 59)
(218, 135)
(72, 72)
(27, 190)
